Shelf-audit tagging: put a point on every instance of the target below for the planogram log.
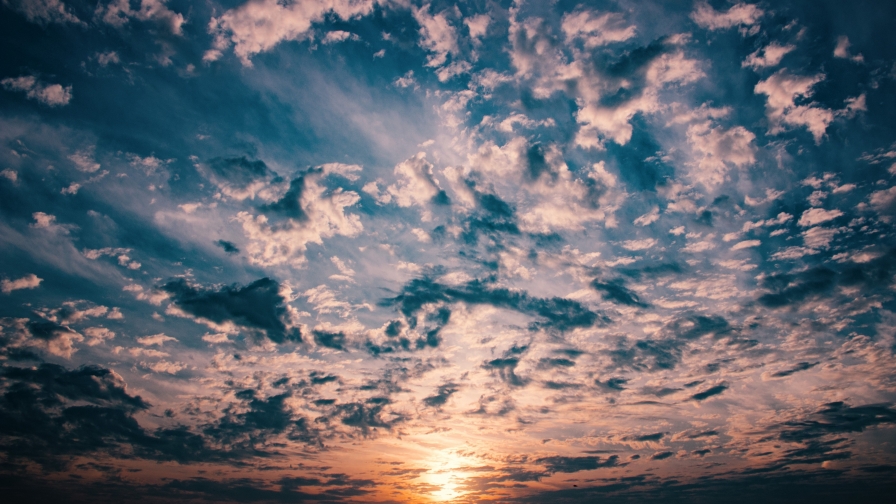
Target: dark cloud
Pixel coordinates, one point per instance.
(334, 340)
(612, 384)
(658, 270)
(318, 378)
(228, 247)
(551, 313)
(646, 355)
(290, 205)
(257, 306)
(252, 420)
(802, 366)
(442, 395)
(614, 291)
(646, 437)
(575, 464)
(47, 330)
(366, 417)
(661, 455)
(718, 389)
(535, 162)
(494, 218)
(789, 288)
(548, 362)
(838, 418)
(505, 368)
(49, 413)
(239, 171)
(694, 326)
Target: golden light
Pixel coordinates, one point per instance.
(446, 474)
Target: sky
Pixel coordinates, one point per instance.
(488, 251)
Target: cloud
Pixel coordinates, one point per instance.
(746, 244)
(337, 36)
(550, 313)
(772, 54)
(44, 11)
(478, 25)
(717, 149)
(842, 50)
(616, 292)
(802, 366)
(239, 178)
(884, 201)
(712, 391)
(739, 14)
(649, 218)
(436, 35)
(228, 247)
(575, 464)
(312, 213)
(119, 12)
(814, 216)
(596, 30)
(416, 185)
(51, 95)
(258, 307)
(56, 339)
(155, 339)
(838, 418)
(26, 282)
(259, 25)
(334, 340)
(782, 90)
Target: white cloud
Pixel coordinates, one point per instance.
(644, 244)
(84, 160)
(782, 90)
(43, 11)
(26, 282)
(215, 338)
(10, 175)
(649, 218)
(842, 50)
(818, 237)
(285, 242)
(416, 185)
(46, 221)
(51, 95)
(596, 30)
(793, 253)
(739, 14)
(107, 58)
(718, 148)
(155, 339)
(884, 201)
(478, 25)
(336, 36)
(436, 35)
(746, 244)
(770, 195)
(259, 25)
(98, 335)
(600, 121)
(164, 367)
(815, 216)
(119, 12)
(771, 55)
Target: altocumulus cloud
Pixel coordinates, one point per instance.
(268, 251)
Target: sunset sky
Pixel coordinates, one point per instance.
(392, 251)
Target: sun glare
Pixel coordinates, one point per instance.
(444, 474)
